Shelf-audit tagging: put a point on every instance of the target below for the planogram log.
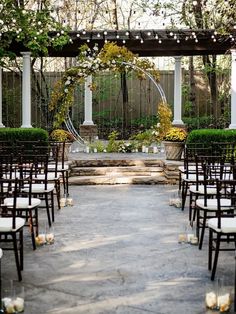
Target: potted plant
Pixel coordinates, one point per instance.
(173, 141)
(64, 140)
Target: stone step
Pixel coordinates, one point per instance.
(112, 180)
(118, 163)
(127, 171)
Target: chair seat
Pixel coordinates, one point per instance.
(190, 168)
(212, 204)
(22, 202)
(6, 224)
(228, 224)
(39, 188)
(60, 167)
(200, 189)
(192, 177)
(50, 176)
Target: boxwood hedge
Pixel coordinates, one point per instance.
(23, 134)
(207, 136)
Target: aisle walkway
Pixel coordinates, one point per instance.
(116, 252)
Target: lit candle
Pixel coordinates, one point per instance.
(190, 236)
(50, 238)
(19, 304)
(69, 202)
(62, 202)
(155, 150)
(211, 300)
(146, 150)
(143, 149)
(95, 150)
(40, 239)
(87, 149)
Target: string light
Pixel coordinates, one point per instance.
(141, 41)
(105, 33)
(124, 41)
(77, 35)
(149, 33)
(156, 36)
(127, 33)
(117, 36)
(98, 35)
(159, 41)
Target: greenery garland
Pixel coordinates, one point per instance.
(90, 62)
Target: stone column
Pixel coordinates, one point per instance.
(88, 100)
(178, 93)
(1, 124)
(26, 91)
(88, 130)
(233, 89)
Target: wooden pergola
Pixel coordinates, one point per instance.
(145, 43)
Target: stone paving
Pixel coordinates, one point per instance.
(116, 251)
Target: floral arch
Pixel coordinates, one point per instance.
(91, 61)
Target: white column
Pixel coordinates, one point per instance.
(178, 93)
(233, 89)
(26, 91)
(88, 95)
(1, 124)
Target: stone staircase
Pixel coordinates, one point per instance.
(108, 171)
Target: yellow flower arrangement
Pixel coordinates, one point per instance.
(175, 134)
(61, 135)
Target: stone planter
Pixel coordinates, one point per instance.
(173, 150)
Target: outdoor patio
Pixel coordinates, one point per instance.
(116, 251)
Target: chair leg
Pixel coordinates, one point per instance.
(52, 205)
(203, 230)
(21, 250)
(67, 182)
(58, 193)
(180, 180)
(18, 267)
(48, 212)
(210, 248)
(184, 194)
(217, 249)
(32, 230)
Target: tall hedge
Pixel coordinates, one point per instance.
(23, 134)
(207, 136)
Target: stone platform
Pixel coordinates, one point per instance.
(132, 168)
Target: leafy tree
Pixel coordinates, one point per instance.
(219, 15)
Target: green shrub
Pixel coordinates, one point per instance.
(207, 136)
(23, 134)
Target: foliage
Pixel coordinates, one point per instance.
(175, 135)
(207, 136)
(61, 135)
(91, 61)
(30, 27)
(113, 144)
(164, 114)
(206, 122)
(23, 134)
(144, 138)
(99, 145)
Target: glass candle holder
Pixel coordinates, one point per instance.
(49, 235)
(223, 297)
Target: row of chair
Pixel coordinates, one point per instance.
(28, 181)
(209, 177)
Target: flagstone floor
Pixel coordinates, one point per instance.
(116, 251)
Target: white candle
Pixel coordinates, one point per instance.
(146, 150)
(40, 239)
(95, 150)
(50, 238)
(19, 304)
(87, 149)
(155, 150)
(69, 202)
(62, 202)
(143, 149)
(190, 236)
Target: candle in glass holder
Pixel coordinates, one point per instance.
(40, 239)
(224, 302)
(50, 238)
(211, 300)
(182, 238)
(194, 240)
(19, 304)
(143, 149)
(69, 202)
(95, 150)
(63, 202)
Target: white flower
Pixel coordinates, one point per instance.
(67, 83)
(66, 90)
(95, 48)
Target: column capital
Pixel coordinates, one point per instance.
(177, 58)
(26, 53)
